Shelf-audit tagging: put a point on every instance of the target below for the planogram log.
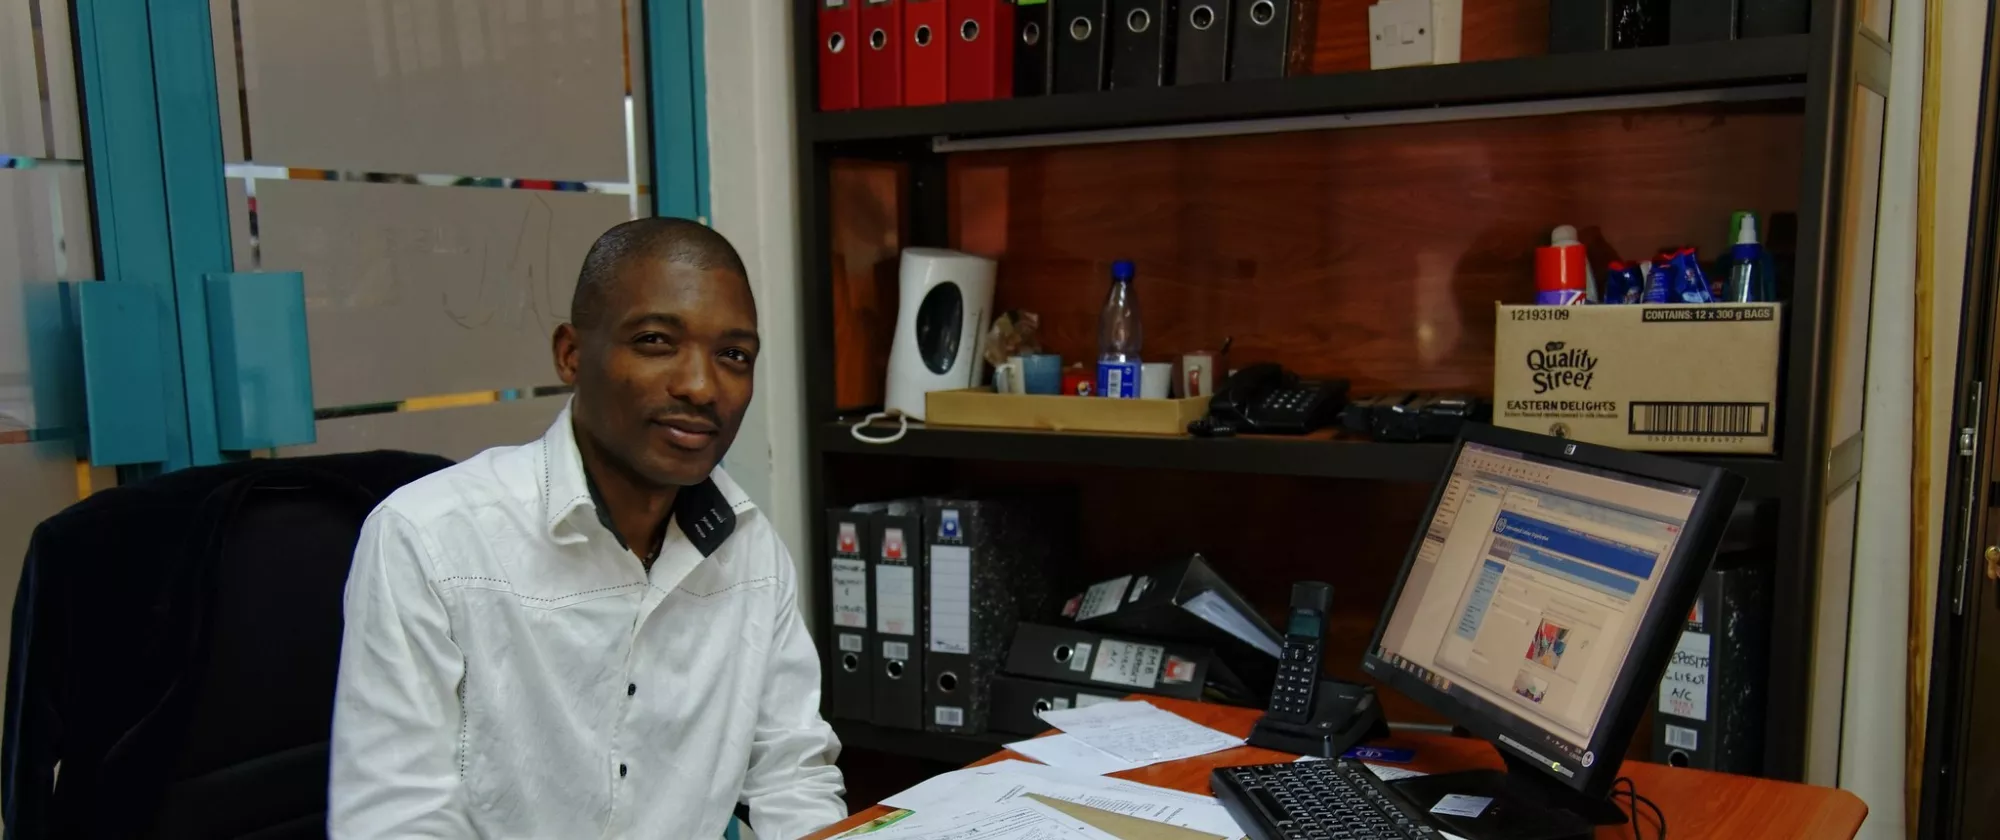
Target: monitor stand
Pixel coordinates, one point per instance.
(1525, 804)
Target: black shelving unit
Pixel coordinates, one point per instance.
(1832, 66)
(1343, 459)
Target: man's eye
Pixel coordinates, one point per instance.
(650, 338)
(736, 354)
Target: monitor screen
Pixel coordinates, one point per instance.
(1527, 592)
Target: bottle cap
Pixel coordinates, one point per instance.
(1121, 270)
(1746, 230)
(1563, 235)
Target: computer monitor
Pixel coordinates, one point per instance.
(1543, 598)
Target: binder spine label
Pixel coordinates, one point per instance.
(1085, 701)
(896, 650)
(896, 601)
(1682, 738)
(950, 716)
(951, 598)
(850, 592)
(1081, 659)
(1128, 663)
(1103, 598)
(851, 643)
(1684, 688)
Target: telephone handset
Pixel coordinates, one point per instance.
(1267, 399)
(1295, 692)
(1309, 715)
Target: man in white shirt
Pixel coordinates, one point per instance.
(595, 634)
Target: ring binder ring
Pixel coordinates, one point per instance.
(969, 30)
(1063, 653)
(1202, 17)
(878, 39)
(1079, 29)
(1263, 12)
(947, 682)
(923, 36)
(1031, 34)
(850, 663)
(894, 669)
(1043, 706)
(1138, 21)
(836, 42)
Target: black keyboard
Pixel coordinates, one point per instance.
(1316, 800)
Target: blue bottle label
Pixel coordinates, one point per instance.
(1118, 379)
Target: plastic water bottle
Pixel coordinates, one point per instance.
(1119, 337)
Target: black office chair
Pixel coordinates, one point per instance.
(192, 700)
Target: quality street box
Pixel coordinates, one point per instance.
(1667, 378)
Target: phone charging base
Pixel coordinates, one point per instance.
(1344, 714)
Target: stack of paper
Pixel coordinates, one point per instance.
(1139, 733)
(962, 798)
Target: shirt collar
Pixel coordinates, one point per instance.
(706, 512)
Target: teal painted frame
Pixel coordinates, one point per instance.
(128, 181)
(197, 203)
(147, 72)
(678, 113)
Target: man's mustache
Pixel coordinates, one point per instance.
(688, 411)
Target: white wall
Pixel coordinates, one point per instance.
(753, 201)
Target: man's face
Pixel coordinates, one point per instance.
(663, 377)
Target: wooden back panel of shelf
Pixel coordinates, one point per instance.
(1375, 254)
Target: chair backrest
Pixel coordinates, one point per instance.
(260, 704)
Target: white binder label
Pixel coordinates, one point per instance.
(850, 642)
(1128, 663)
(1684, 688)
(895, 600)
(951, 599)
(950, 716)
(1085, 701)
(1080, 660)
(1682, 738)
(899, 651)
(850, 592)
(1103, 598)
(1057, 703)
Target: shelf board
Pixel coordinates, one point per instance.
(1317, 456)
(1683, 67)
(931, 746)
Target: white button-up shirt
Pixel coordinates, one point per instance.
(510, 671)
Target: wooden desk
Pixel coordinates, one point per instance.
(1698, 804)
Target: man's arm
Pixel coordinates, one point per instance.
(792, 786)
(396, 711)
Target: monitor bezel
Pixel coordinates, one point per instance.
(1658, 634)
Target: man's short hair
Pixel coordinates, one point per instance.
(683, 242)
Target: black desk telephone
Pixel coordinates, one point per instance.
(1266, 399)
(1310, 715)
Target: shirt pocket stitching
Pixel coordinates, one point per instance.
(760, 583)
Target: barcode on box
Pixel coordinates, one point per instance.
(950, 716)
(1681, 737)
(1706, 419)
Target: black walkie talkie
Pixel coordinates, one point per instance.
(1293, 695)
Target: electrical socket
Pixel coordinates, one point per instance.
(1399, 34)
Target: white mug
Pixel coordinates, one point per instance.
(1154, 378)
(1010, 377)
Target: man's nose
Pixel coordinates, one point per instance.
(693, 380)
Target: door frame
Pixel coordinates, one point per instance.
(1970, 475)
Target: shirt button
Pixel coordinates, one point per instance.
(621, 771)
(631, 689)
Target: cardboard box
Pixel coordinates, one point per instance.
(1668, 378)
(983, 408)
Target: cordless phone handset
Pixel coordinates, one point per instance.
(1293, 694)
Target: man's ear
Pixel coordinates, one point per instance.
(566, 347)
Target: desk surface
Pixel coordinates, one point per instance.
(1698, 804)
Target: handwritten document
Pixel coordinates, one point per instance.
(1140, 732)
(982, 787)
(1018, 819)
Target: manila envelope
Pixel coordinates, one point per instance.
(1122, 826)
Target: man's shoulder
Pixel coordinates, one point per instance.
(504, 475)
